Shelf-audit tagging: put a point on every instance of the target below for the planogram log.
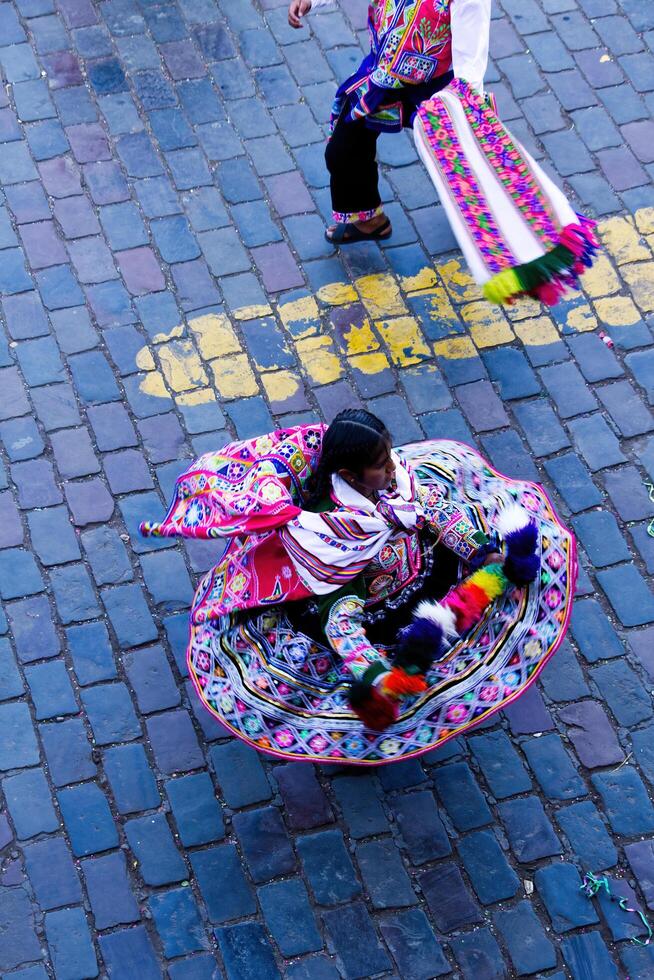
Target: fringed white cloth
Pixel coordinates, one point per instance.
(515, 227)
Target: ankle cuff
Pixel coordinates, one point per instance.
(348, 217)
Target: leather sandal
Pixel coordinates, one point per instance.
(347, 233)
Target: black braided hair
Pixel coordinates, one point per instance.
(353, 441)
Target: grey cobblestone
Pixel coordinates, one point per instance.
(162, 169)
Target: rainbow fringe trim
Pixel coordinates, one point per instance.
(549, 277)
(468, 600)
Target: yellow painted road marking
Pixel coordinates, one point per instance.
(154, 385)
(214, 335)
(320, 360)
(424, 279)
(538, 331)
(281, 385)
(201, 396)
(644, 219)
(181, 366)
(337, 294)
(601, 279)
(234, 377)
(380, 295)
(617, 311)
(581, 318)
(616, 292)
(458, 281)
(252, 312)
(455, 348)
(404, 340)
(640, 279)
(145, 360)
(301, 317)
(486, 324)
(622, 240)
(360, 339)
(370, 363)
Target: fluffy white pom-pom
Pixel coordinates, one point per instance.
(438, 614)
(513, 518)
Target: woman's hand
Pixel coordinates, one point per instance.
(297, 10)
(495, 558)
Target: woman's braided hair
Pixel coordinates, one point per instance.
(352, 441)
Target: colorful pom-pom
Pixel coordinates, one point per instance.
(419, 644)
(398, 683)
(373, 708)
(521, 537)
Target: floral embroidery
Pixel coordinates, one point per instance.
(463, 184)
(508, 163)
(412, 39)
(349, 217)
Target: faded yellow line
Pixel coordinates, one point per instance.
(206, 353)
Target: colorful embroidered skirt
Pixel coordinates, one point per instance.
(515, 227)
(284, 694)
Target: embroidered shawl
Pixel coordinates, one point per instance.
(516, 229)
(252, 493)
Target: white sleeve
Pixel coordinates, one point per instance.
(470, 20)
(322, 3)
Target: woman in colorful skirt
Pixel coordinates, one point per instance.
(417, 48)
(371, 603)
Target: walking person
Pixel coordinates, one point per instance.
(417, 48)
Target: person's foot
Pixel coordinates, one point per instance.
(368, 227)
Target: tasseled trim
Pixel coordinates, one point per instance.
(374, 709)
(523, 562)
(374, 698)
(400, 683)
(549, 277)
(420, 643)
(471, 598)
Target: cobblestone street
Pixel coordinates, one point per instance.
(165, 286)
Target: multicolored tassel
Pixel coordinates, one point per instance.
(550, 276)
(373, 698)
(465, 604)
(470, 599)
(521, 538)
(371, 705)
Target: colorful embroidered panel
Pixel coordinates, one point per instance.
(244, 488)
(283, 693)
(396, 565)
(508, 163)
(463, 185)
(411, 48)
(412, 41)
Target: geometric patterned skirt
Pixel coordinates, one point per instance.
(284, 693)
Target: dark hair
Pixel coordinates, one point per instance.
(353, 441)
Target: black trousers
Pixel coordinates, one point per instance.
(351, 158)
(351, 153)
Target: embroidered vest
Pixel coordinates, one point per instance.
(395, 567)
(411, 41)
